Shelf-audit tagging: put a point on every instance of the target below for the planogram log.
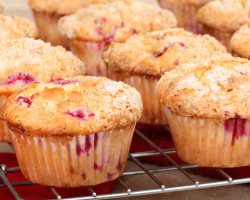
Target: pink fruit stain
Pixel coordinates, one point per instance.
(97, 167)
(101, 20)
(109, 176)
(69, 152)
(23, 78)
(237, 127)
(119, 166)
(134, 31)
(61, 81)
(86, 149)
(96, 140)
(176, 62)
(81, 115)
(109, 39)
(182, 44)
(158, 54)
(20, 100)
(83, 176)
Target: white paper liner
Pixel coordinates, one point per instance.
(47, 25)
(206, 142)
(90, 53)
(73, 161)
(185, 15)
(153, 111)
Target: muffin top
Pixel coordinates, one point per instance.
(240, 41)
(62, 7)
(216, 87)
(77, 106)
(188, 2)
(14, 27)
(115, 21)
(225, 15)
(23, 61)
(158, 52)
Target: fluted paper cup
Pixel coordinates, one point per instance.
(73, 161)
(4, 132)
(153, 111)
(185, 15)
(210, 142)
(48, 29)
(90, 53)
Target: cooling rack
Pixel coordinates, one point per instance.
(194, 184)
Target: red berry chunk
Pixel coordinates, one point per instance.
(61, 81)
(81, 114)
(20, 100)
(22, 78)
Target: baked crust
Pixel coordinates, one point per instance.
(62, 7)
(216, 87)
(158, 52)
(115, 21)
(225, 15)
(14, 27)
(240, 41)
(36, 60)
(104, 104)
(188, 2)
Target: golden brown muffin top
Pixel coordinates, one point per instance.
(77, 106)
(225, 15)
(23, 61)
(188, 2)
(157, 52)
(14, 27)
(240, 41)
(115, 21)
(216, 87)
(62, 7)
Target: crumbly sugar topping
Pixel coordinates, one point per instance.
(188, 2)
(23, 61)
(240, 41)
(158, 52)
(62, 7)
(225, 15)
(14, 27)
(85, 105)
(115, 21)
(216, 87)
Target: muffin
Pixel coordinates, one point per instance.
(185, 12)
(142, 59)
(113, 22)
(47, 14)
(207, 106)
(14, 27)
(240, 42)
(72, 133)
(24, 61)
(221, 19)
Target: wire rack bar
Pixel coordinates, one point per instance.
(146, 170)
(124, 185)
(170, 168)
(91, 191)
(224, 174)
(20, 183)
(53, 190)
(167, 157)
(153, 153)
(7, 182)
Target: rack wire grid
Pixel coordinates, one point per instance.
(194, 184)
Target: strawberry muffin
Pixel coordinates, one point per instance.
(240, 42)
(47, 14)
(24, 61)
(207, 106)
(142, 59)
(73, 132)
(14, 27)
(221, 18)
(113, 22)
(185, 11)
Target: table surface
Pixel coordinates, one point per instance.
(169, 179)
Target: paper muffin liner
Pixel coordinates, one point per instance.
(4, 132)
(210, 142)
(185, 15)
(153, 111)
(64, 161)
(223, 37)
(90, 53)
(48, 29)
